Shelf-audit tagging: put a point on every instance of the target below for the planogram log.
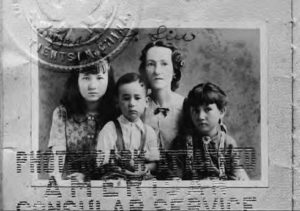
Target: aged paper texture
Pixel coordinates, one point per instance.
(56, 154)
(296, 115)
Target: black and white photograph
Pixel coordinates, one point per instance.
(149, 105)
(173, 104)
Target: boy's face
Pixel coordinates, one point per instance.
(132, 100)
(206, 118)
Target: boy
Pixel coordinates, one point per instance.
(128, 136)
(209, 150)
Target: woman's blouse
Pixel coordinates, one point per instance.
(77, 136)
(165, 121)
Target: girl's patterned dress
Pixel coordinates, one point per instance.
(77, 135)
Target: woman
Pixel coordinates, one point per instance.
(85, 108)
(161, 65)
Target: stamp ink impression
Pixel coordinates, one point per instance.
(65, 32)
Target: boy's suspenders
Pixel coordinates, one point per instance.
(120, 141)
(120, 161)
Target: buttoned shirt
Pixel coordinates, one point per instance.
(132, 135)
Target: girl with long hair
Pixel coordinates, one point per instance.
(86, 105)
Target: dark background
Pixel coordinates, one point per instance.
(227, 57)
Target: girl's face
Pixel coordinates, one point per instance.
(206, 118)
(93, 86)
(159, 67)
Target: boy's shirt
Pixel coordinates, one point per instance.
(132, 135)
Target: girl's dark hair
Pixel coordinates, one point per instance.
(177, 61)
(75, 103)
(202, 94)
(205, 94)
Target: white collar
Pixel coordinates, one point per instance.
(138, 123)
(176, 101)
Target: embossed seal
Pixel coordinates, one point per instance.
(64, 32)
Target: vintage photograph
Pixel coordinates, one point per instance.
(163, 104)
(149, 105)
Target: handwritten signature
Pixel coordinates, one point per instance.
(163, 32)
(60, 39)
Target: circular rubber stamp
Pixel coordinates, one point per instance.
(63, 34)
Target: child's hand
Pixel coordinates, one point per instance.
(141, 173)
(149, 176)
(135, 173)
(79, 177)
(176, 178)
(57, 176)
(242, 175)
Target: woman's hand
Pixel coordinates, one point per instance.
(79, 177)
(135, 173)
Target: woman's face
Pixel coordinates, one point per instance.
(93, 86)
(159, 67)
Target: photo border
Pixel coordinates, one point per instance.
(262, 183)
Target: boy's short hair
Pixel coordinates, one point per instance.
(130, 78)
(205, 94)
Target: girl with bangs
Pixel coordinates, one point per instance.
(208, 152)
(85, 107)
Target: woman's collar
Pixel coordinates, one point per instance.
(175, 101)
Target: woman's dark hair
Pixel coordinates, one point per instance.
(177, 61)
(130, 78)
(202, 95)
(75, 103)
